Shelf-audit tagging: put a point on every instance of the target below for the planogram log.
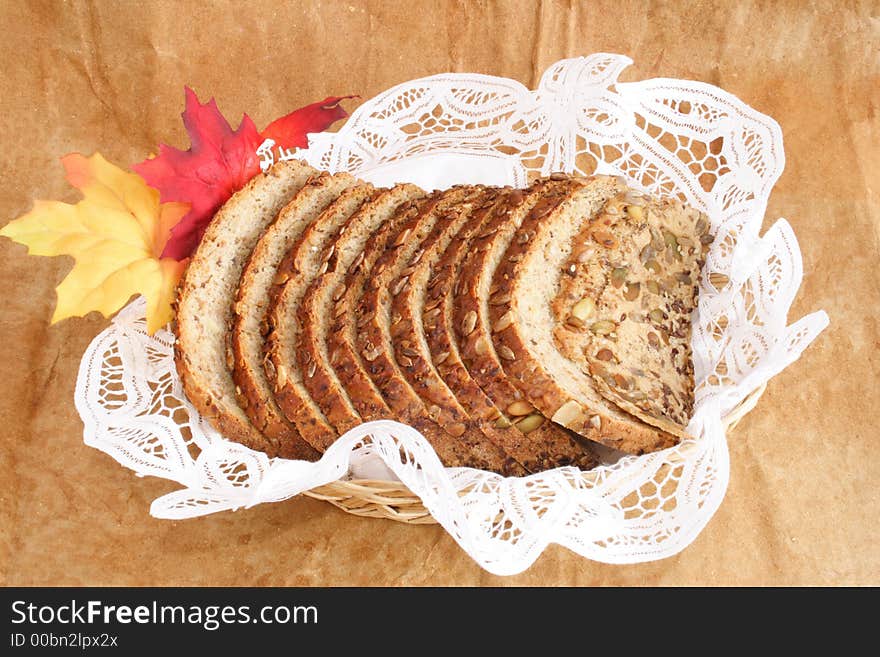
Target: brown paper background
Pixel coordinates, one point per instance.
(84, 76)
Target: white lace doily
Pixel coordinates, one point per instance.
(666, 136)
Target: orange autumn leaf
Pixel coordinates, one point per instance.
(115, 234)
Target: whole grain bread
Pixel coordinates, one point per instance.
(536, 444)
(316, 302)
(409, 290)
(289, 393)
(205, 300)
(623, 309)
(456, 443)
(527, 280)
(294, 225)
(335, 374)
(302, 264)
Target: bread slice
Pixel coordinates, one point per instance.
(632, 283)
(306, 262)
(289, 394)
(452, 408)
(334, 373)
(527, 279)
(205, 299)
(536, 444)
(281, 266)
(249, 326)
(455, 443)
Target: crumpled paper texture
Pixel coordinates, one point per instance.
(801, 507)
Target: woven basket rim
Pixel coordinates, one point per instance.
(377, 498)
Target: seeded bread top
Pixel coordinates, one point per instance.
(409, 290)
(286, 386)
(624, 306)
(454, 444)
(474, 293)
(529, 278)
(307, 262)
(207, 292)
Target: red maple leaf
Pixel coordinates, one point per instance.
(290, 131)
(219, 161)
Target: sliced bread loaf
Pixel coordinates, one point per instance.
(527, 280)
(536, 444)
(623, 308)
(249, 326)
(455, 444)
(334, 372)
(205, 299)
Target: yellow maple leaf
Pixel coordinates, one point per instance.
(115, 234)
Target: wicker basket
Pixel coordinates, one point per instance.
(393, 500)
